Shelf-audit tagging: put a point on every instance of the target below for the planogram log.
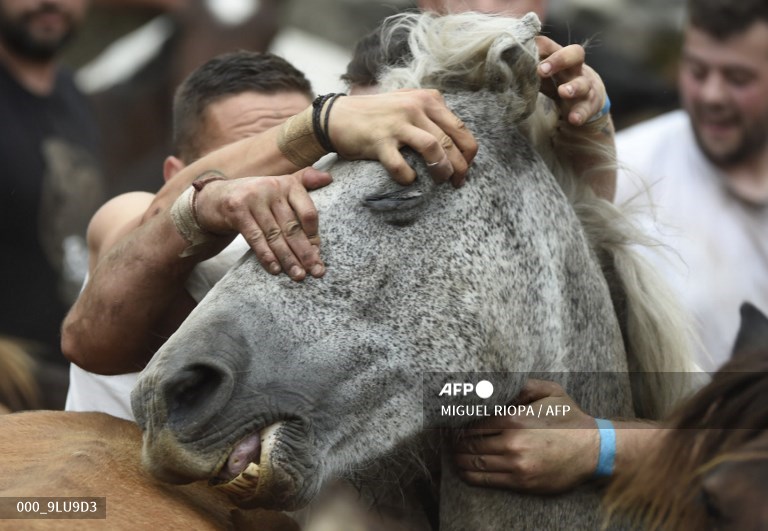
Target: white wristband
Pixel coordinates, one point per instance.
(184, 217)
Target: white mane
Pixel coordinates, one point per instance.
(470, 50)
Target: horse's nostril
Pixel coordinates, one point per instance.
(190, 390)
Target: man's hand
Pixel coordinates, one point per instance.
(574, 86)
(375, 127)
(275, 215)
(537, 455)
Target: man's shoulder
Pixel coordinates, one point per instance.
(654, 130)
(650, 152)
(115, 218)
(661, 141)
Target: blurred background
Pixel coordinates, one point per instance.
(131, 54)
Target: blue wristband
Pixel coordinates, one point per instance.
(607, 456)
(602, 112)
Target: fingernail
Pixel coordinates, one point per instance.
(545, 68)
(274, 268)
(295, 272)
(569, 90)
(577, 119)
(318, 270)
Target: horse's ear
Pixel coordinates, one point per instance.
(511, 47)
(511, 61)
(753, 332)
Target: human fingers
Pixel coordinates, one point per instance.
(559, 65)
(564, 62)
(535, 389)
(304, 242)
(275, 237)
(493, 444)
(225, 208)
(298, 198)
(494, 480)
(453, 127)
(288, 218)
(484, 463)
(547, 462)
(257, 241)
(442, 157)
(246, 207)
(377, 126)
(492, 425)
(313, 179)
(527, 478)
(392, 160)
(280, 225)
(546, 46)
(586, 96)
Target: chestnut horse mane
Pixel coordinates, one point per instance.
(661, 491)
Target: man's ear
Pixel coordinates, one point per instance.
(171, 166)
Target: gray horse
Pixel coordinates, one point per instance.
(292, 385)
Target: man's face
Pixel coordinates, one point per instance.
(515, 8)
(724, 88)
(37, 29)
(246, 114)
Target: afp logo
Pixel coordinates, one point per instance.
(483, 389)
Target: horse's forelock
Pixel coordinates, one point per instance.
(468, 47)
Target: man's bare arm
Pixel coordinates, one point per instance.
(134, 298)
(109, 330)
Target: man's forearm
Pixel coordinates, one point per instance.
(635, 439)
(135, 296)
(131, 300)
(250, 157)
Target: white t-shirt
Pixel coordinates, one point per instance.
(112, 394)
(715, 253)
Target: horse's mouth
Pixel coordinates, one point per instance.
(250, 476)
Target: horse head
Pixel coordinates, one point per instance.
(287, 385)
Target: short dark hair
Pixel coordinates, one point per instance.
(725, 18)
(227, 75)
(370, 58)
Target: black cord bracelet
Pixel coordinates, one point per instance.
(317, 109)
(319, 126)
(326, 122)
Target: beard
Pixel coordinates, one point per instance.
(753, 140)
(17, 36)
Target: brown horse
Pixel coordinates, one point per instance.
(711, 470)
(81, 455)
